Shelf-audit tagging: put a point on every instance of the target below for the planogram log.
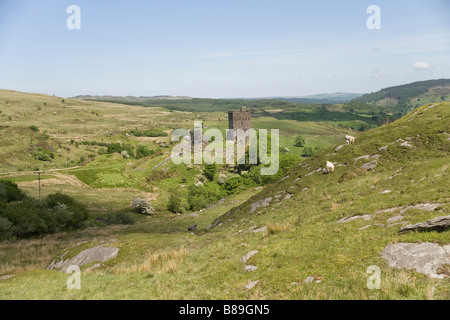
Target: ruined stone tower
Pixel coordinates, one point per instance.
(239, 119)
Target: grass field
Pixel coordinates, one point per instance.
(160, 259)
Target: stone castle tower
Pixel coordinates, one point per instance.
(240, 119)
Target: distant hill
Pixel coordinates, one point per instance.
(404, 98)
(131, 99)
(328, 98)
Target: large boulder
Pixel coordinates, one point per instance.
(96, 254)
(424, 257)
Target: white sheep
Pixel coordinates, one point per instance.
(329, 168)
(350, 139)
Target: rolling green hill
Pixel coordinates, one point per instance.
(406, 97)
(312, 236)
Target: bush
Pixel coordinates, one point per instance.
(26, 218)
(9, 191)
(210, 171)
(79, 212)
(142, 206)
(149, 133)
(299, 141)
(202, 196)
(175, 204)
(34, 128)
(142, 151)
(307, 152)
(232, 184)
(114, 148)
(43, 154)
(5, 229)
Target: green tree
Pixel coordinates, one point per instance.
(307, 152)
(299, 141)
(175, 204)
(210, 171)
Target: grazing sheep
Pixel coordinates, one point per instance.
(350, 139)
(329, 168)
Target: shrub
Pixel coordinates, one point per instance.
(232, 184)
(114, 148)
(9, 191)
(299, 141)
(209, 171)
(5, 229)
(142, 151)
(148, 133)
(175, 204)
(26, 218)
(142, 206)
(43, 154)
(79, 212)
(34, 128)
(307, 152)
(202, 196)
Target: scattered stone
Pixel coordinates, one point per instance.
(420, 206)
(367, 156)
(438, 224)
(370, 165)
(386, 191)
(339, 147)
(262, 229)
(250, 268)
(365, 227)
(294, 283)
(248, 255)
(193, 215)
(192, 228)
(424, 257)
(313, 279)
(7, 276)
(312, 172)
(406, 144)
(391, 177)
(288, 196)
(348, 219)
(261, 203)
(251, 284)
(95, 254)
(382, 149)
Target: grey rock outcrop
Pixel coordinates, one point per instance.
(96, 254)
(261, 203)
(424, 257)
(248, 256)
(370, 165)
(439, 224)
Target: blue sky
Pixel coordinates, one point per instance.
(219, 49)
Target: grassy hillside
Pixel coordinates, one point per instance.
(297, 231)
(406, 97)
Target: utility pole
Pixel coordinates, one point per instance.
(39, 177)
